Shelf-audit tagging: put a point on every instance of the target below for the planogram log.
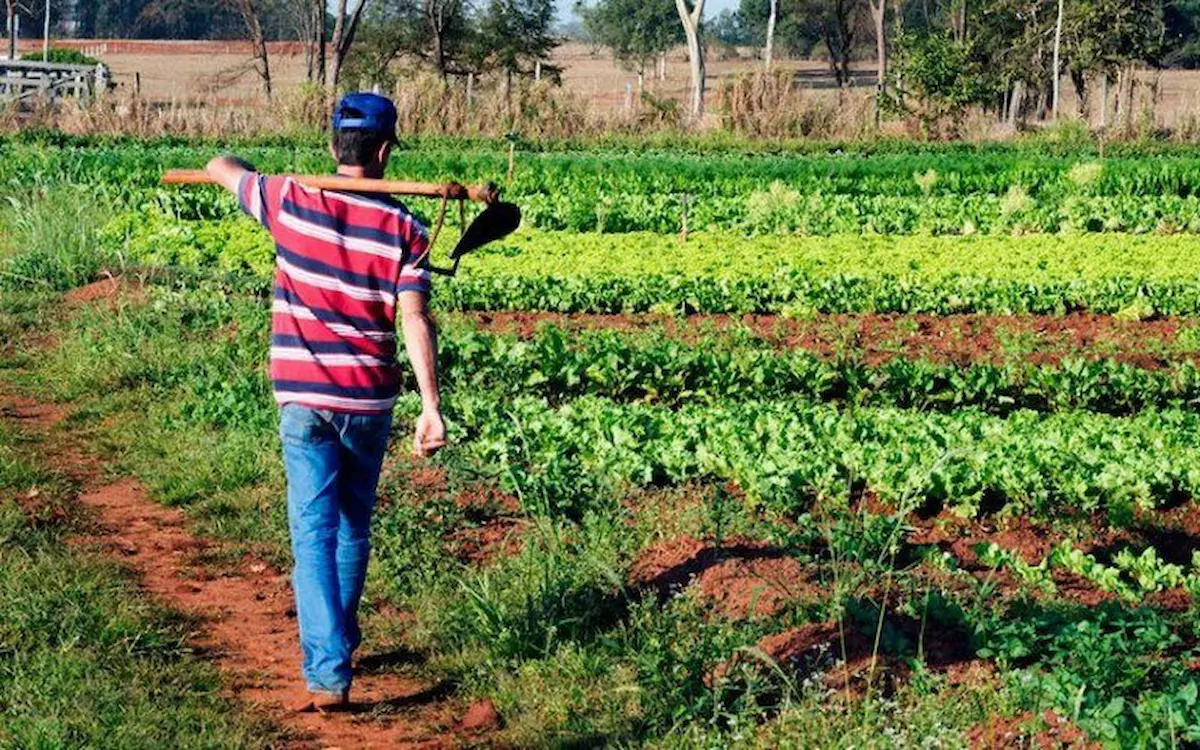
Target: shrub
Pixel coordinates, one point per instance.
(63, 56)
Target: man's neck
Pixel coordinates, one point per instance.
(370, 172)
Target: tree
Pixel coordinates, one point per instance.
(879, 16)
(797, 25)
(1102, 36)
(306, 21)
(1181, 21)
(728, 28)
(691, 18)
(11, 6)
(941, 79)
(769, 49)
(250, 12)
(515, 37)
(636, 31)
(344, 30)
(839, 24)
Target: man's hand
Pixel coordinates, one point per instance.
(430, 435)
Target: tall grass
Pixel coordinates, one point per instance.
(48, 237)
(755, 106)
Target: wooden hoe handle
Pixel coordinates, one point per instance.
(449, 190)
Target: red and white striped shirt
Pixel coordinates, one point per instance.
(341, 260)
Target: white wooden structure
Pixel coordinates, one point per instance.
(29, 79)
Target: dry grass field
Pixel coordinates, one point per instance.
(223, 72)
(208, 74)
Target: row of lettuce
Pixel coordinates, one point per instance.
(666, 193)
(654, 367)
(1129, 275)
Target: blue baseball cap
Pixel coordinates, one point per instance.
(365, 111)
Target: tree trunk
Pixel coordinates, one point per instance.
(839, 38)
(339, 30)
(1015, 105)
(322, 45)
(958, 21)
(344, 30)
(1127, 106)
(436, 14)
(1083, 102)
(691, 29)
(438, 51)
(1056, 72)
(258, 40)
(879, 14)
(12, 29)
(769, 52)
(1104, 100)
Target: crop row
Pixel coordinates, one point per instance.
(787, 452)
(652, 368)
(1137, 276)
(1131, 576)
(657, 192)
(780, 209)
(649, 172)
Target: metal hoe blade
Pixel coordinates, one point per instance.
(495, 222)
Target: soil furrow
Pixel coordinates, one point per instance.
(874, 339)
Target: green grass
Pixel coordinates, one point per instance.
(85, 660)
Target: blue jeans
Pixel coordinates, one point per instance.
(332, 461)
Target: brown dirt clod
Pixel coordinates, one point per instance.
(740, 578)
(481, 716)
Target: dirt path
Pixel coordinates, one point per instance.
(245, 607)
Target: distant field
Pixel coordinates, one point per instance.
(173, 71)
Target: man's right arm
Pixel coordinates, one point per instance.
(229, 171)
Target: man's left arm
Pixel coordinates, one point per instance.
(420, 339)
(420, 335)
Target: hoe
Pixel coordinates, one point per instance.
(496, 221)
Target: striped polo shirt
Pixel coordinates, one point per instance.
(341, 259)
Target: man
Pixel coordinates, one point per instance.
(347, 265)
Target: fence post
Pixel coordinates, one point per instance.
(628, 97)
(470, 90)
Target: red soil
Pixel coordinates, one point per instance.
(1049, 732)
(481, 717)
(247, 609)
(107, 290)
(875, 339)
(842, 658)
(961, 537)
(740, 578)
(480, 545)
